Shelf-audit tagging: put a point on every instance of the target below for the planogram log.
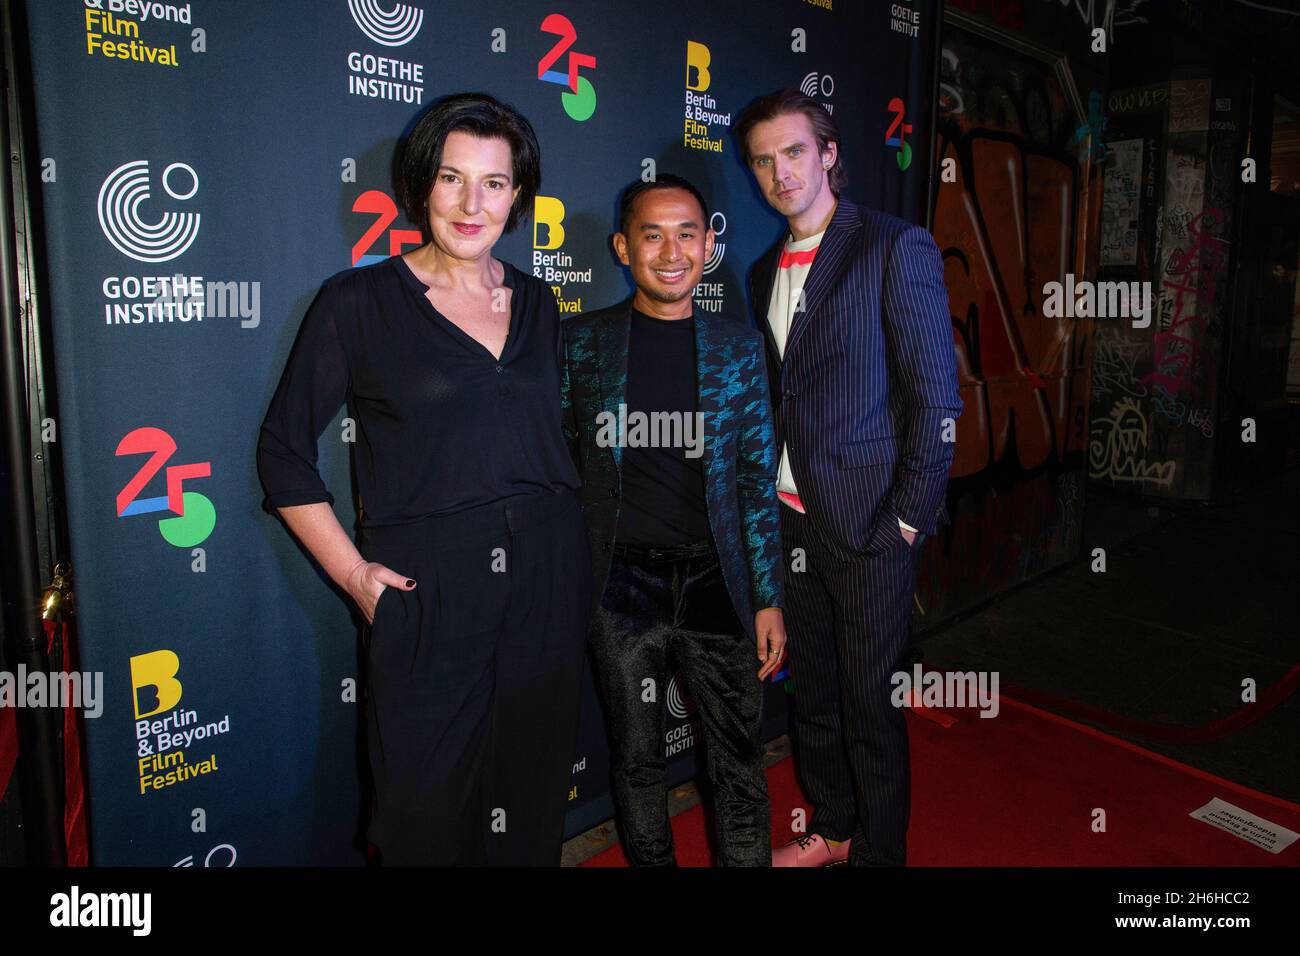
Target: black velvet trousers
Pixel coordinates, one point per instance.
(663, 599)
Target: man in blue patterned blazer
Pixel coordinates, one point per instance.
(855, 312)
(668, 415)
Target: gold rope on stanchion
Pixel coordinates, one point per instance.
(57, 615)
(56, 602)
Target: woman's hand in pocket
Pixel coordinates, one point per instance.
(366, 583)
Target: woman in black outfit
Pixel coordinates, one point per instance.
(471, 562)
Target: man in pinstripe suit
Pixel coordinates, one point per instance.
(859, 343)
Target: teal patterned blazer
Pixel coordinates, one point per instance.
(740, 453)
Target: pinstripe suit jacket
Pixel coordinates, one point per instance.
(739, 459)
(869, 376)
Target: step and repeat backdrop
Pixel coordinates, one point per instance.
(204, 166)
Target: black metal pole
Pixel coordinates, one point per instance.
(38, 736)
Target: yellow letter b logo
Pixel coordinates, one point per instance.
(697, 59)
(153, 679)
(548, 222)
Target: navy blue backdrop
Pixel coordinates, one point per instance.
(204, 166)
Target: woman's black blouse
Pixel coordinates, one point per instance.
(440, 424)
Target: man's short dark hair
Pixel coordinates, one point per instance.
(663, 181)
(483, 116)
(783, 103)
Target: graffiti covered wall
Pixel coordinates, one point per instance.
(1020, 209)
(1172, 168)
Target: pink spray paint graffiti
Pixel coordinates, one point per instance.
(1177, 346)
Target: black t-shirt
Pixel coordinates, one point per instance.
(441, 425)
(663, 487)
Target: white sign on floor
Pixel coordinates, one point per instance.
(1242, 823)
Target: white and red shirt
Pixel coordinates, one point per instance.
(787, 287)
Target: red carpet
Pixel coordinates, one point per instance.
(1020, 790)
(1243, 716)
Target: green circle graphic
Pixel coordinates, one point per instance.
(193, 527)
(582, 104)
(905, 155)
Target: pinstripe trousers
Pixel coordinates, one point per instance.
(848, 624)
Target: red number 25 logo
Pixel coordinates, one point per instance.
(381, 206)
(579, 98)
(194, 516)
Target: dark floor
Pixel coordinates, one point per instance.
(1195, 599)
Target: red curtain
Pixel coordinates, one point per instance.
(74, 807)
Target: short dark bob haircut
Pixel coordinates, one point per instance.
(483, 116)
(783, 103)
(665, 181)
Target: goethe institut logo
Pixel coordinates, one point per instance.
(147, 228)
(379, 76)
(395, 27)
(126, 190)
